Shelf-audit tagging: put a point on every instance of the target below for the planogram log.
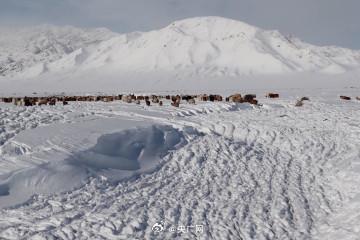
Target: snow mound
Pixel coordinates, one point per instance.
(131, 149)
(117, 156)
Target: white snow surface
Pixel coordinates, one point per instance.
(113, 170)
(202, 48)
(28, 51)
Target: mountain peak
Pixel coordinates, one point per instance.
(200, 46)
(212, 27)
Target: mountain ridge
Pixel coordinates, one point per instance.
(204, 46)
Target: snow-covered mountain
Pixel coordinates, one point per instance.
(21, 49)
(205, 46)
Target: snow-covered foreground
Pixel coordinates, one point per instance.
(113, 170)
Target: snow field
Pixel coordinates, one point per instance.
(241, 171)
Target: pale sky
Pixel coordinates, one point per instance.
(322, 22)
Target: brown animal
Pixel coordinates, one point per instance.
(358, 98)
(176, 98)
(253, 101)
(140, 98)
(273, 95)
(175, 104)
(203, 97)
(214, 97)
(218, 98)
(147, 103)
(175, 101)
(43, 101)
(345, 98)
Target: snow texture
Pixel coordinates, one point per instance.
(253, 172)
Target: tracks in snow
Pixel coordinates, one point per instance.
(256, 174)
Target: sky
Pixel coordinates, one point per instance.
(321, 22)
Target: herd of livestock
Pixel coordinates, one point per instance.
(148, 99)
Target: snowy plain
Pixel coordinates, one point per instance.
(234, 171)
(252, 172)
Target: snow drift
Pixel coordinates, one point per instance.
(116, 156)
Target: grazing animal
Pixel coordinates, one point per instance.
(191, 101)
(249, 97)
(18, 101)
(235, 98)
(358, 98)
(140, 98)
(214, 97)
(203, 97)
(299, 103)
(7, 100)
(147, 103)
(42, 102)
(186, 97)
(218, 98)
(345, 98)
(28, 102)
(305, 99)
(175, 104)
(52, 102)
(176, 98)
(155, 99)
(175, 101)
(253, 101)
(127, 98)
(273, 95)
(65, 103)
(160, 103)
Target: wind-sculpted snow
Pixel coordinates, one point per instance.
(115, 156)
(241, 172)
